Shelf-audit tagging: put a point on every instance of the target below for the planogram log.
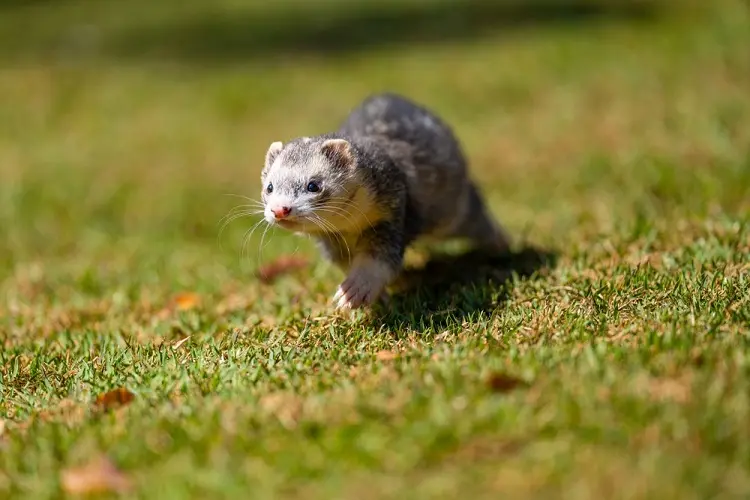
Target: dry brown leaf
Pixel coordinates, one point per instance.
(186, 301)
(501, 382)
(179, 343)
(113, 399)
(98, 476)
(386, 355)
(282, 265)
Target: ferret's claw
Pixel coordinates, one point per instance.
(354, 293)
(351, 298)
(364, 285)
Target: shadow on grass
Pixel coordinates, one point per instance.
(16, 4)
(333, 28)
(452, 288)
(205, 32)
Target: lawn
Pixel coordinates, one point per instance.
(609, 357)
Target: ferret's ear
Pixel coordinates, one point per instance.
(338, 151)
(273, 151)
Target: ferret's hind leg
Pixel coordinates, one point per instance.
(478, 226)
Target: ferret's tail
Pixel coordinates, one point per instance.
(480, 227)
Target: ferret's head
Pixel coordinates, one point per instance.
(312, 186)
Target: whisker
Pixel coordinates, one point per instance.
(347, 216)
(341, 210)
(260, 247)
(348, 203)
(247, 236)
(252, 200)
(328, 228)
(232, 216)
(334, 211)
(239, 208)
(228, 219)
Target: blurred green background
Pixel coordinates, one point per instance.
(613, 134)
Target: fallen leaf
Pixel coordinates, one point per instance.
(113, 399)
(282, 265)
(177, 344)
(501, 382)
(186, 301)
(386, 355)
(98, 476)
(2, 427)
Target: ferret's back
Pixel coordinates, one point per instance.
(396, 118)
(423, 147)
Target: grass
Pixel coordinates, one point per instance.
(609, 358)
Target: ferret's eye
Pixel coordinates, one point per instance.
(313, 187)
(269, 188)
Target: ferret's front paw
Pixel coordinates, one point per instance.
(363, 287)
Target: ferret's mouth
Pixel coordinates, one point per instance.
(287, 223)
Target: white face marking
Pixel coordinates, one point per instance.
(286, 198)
(293, 194)
(313, 198)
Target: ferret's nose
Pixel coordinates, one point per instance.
(281, 212)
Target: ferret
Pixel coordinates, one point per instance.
(393, 172)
